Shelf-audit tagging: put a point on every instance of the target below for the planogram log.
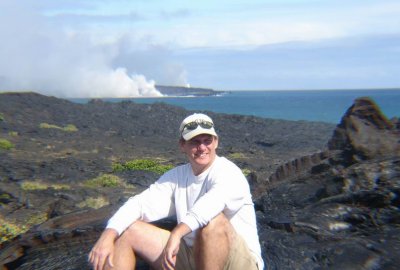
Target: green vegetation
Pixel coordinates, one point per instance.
(237, 155)
(1, 117)
(9, 230)
(4, 197)
(104, 180)
(13, 133)
(36, 219)
(246, 172)
(67, 128)
(94, 203)
(142, 165)
(39, 185)
(70, 128)
(5, 144)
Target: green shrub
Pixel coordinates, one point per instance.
(142, 165)
(246, 172)
(9, 230)
(33, 185)
(67, 128)
(36, 218)
(104, 180)
(237, 155)
(1, 117)
(4, 198)
(39, 185)
(5, 144)
(70, 128)
(45, 125)
(13, 133)
(94, 203)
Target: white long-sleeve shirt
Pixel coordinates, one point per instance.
(196, 200)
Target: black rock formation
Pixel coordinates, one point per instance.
(317, 207)
(338, 209)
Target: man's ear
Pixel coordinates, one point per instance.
(181, 144)
(216, 142)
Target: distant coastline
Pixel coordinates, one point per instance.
(182, 91)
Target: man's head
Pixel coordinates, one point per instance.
(198, 141)
(196, 124)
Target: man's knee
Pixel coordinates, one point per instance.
(134, 230)
(217, 227)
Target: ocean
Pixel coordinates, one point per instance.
(311, 105)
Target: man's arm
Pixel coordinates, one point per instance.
(172, 247)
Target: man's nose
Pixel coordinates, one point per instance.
(202, 145)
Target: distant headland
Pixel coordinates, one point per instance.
(182, 91)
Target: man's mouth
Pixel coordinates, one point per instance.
(200, 155)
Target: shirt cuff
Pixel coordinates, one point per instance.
(191, 222)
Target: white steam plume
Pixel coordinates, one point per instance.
(39, 56)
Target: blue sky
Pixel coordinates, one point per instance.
(124, 48)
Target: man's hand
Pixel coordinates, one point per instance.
(102, 252)
(170, 252)
(172, 248)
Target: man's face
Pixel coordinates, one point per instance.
(201, 151)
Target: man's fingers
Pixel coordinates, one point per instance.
(97, 260)
(168, 262)
(110, 260)
(102, 262)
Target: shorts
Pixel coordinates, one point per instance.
(240, 257)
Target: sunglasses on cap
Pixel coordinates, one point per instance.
(193, 125)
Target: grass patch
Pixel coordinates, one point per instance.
(236, 155)
(36, 219)
(5, 144)
(67, 128)
(13, 133)
(104, 180)
(70, 128)
(39, 185)
(246, 172)
(94, 203)
(10, 229)
(4, 197)
(142, 165)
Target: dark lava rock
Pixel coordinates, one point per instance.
(339, 209)
(317, 208)
(365, 133)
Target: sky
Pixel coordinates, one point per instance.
(125, 48)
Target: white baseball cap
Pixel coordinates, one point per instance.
(196, 124)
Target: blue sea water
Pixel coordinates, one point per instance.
(322, 105)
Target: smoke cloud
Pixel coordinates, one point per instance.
(38, 54)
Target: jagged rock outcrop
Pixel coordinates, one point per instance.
(342, 211)
(365, 133)
(295, 167)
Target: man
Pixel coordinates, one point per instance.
(210, 197)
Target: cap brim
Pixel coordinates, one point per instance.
(197, 132)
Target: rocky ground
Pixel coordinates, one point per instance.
(320, 205)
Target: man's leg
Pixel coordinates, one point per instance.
(213, 243)
(142, 239)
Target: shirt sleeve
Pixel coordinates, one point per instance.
(228, 192)
(154, 203)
